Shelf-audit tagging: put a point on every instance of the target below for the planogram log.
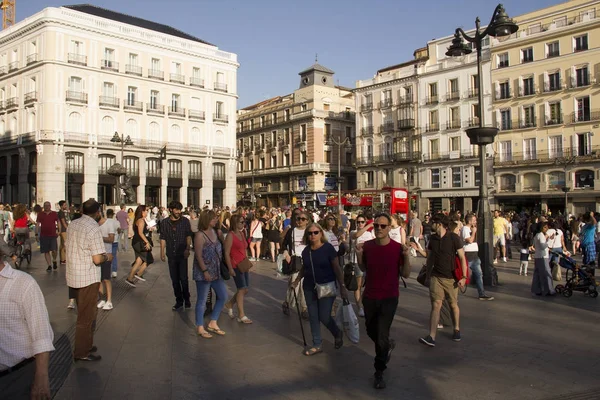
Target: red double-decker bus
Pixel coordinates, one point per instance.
(389, 200)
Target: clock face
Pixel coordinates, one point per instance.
(305, 80)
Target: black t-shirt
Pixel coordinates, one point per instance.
(443, 252)
(426, 228)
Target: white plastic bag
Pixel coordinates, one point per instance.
(351, 323)
(280, 259)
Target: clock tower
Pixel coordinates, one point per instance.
(316, 75)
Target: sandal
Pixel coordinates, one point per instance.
(204, 335)
(312, 351)
(244, 320)
(339, 340)
(216, 331)
(229, 311)
(285, 307)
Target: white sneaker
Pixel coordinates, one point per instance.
(503, 259)
(71, 304)
(114, 274)
(361, 312)
(440, 326)
(101, 304)
(108, 306)
(495, 262)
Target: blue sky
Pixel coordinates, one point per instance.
(275, 40)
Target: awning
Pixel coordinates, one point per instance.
(322, 198)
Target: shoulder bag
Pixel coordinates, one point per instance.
(252, 233)
(328, 289)
(244, 265)
(295, 264)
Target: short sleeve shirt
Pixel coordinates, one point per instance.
(123, 219)
(108, 228)
(62, 215)
(48, 223)
(383, 265)
(443, 252)
(85, 241)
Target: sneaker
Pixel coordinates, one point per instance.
(63, 262)
(140, 277)
(130, 283)
(361, 312)
(392, 347)
(113, 274)
(503, 259)
(101, 304)
(440, 326)
(54, 265)
(520, 273)
(71, 304)
(486, 297)
(428, 341)
(378, 382)
(456, 336)
(49, 268)
(495, 261)
(108, 306)
(177, 307)
(188, 304)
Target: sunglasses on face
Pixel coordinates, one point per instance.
(360, 222)
(380, 226)
(301, 219)
(313, 233)
(330, 219)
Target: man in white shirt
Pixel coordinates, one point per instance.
(471, 248)
(26, 338)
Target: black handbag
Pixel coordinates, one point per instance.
(289, 268)
(350, 278)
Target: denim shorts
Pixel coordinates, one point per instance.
(256, 240)
(242, 280)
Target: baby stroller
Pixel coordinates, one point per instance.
(579, 278)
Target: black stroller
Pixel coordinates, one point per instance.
(579, 278)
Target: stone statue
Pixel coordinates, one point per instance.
(125, 190)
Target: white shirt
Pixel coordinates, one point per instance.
(541, 246)
(107, 228)
(297, 236)
(556, 242)
(466, 233)
(24, 321)
(367, 235)
(84, 240)
(396, 234)
(333, 240)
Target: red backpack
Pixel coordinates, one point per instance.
(458, 275)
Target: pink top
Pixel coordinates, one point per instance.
(238, 249)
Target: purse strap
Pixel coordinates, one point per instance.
(214, 250)
(312, 266)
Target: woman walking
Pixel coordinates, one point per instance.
(274, 235)
(256, 236)
(207, 273)
(141, 246)
(320, 267)
(542, 275)
(235, 252)
(293, 245)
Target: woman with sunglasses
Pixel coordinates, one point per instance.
(363, 233)
(397, 232)
(320, 265)
(293, 246)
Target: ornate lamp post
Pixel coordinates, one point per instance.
(565, 162)
(500, 25)
(345, 142)
(118, 172)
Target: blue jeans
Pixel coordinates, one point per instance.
(319, 310)
(475, 266)
(202, 288)
(553, 257)
(115, 248)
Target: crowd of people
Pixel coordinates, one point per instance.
(314, 249)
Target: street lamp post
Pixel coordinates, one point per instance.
(500, 25)
(339, 170)
(124, 141)
(565, 162)
(68, 157)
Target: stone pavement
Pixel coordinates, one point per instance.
(516, 347)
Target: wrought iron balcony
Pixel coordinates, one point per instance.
(133, 69)
(177, 78)
(108, 101)
(30, 97)
(503, 95)
(367, 131)
(220, 87)
(473, 122)
(526, 91)
(432, 127)
(556, 120)
(197, 82)
(586, 154)
(585, 116)
(133, 105)
(386, 103)
(110, 65)
(408, 123)
(453, 125)
(388, 127)
(219, 117)
(177, 111)
(405, 100)
(553, 86)
(197, 115)
(579, 81)
(32, 58)
(432, 99)
(527, 123)
(472, 92)
(11, 103)
(2, 105)
(453, 96)
(79, 59)
(77, 97)
(449, 155)
(366, 107)
(156, 74)
(13, 66)
(154, 108)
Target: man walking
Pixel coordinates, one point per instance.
(47, 222)
(123, 219)
(471, 248)
(383, 259)
(85, 254)
(63, 222)
(175, 242)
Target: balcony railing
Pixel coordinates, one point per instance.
(527, 91)
(591, 153)
(133, 105)
(108, 101)
(386, 128)
(449, 155)
(405, 100)
(433, 99)
(473, 92)
(220, 87)
(473, 122)
(133, 69)
(432, 127)
(177, 78)
(3, 70)
(79, 59)
(387, 158)
(365, 107)
(527, 123)
(408, 123)
(453, 96)
(197, 115)
(174, 174)
(195, 175)
(74, 169)
(30, 97)
(13, 66)
(556, 120)
(11, 103)
(386, 103)
(218, 117)
(503, 95)
(110, 65)
(32, 58)
(154, 108)
(2, 105)
(156, 74)
(585, 116)
(553, 86)
(453, 125)
(77, 97)
(367, 131)
(177, 111)
(197, 82)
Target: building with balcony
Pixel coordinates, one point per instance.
(448, 104)
(287, 144)
(547, 107)
(388, 147)
(71, 77)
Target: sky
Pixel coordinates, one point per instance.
(274, 40)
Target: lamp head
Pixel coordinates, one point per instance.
(458, 47)
(116, 138)
(503, 25)
(128, 141)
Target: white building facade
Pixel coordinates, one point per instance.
(448, 104)
(71, 77)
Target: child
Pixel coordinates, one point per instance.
(524, 258)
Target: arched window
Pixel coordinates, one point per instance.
(218, 172)
(220, 139)
(194, 136)
(154, 132)
(584, 179)
(195, 170)
(556, 180)
(75, 163)
(531, 182)
(175, 134)
(132, 165)
(31, 121)
(174, 168)
(508, 183)
(105, 161)
(108, 126)
(74, 124)
(131, 128)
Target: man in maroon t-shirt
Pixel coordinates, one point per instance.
(384, 260)
(47, 222)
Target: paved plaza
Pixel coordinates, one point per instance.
(516, 347)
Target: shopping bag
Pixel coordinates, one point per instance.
(556, 272)
(339, 316)
(351, 326)
(280, 259)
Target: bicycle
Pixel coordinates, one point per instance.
(22, 252)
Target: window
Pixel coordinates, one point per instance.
(348, 159)
(555, 113)
(131, 95)
(75, 85)
(286, 160)
(455, 143)
(456, 177)
(454, 90)
(133, 60)
(219, 171)
(556, 146)
(303, 158)
(273, 138)
(327, 132)
(132, 165)
(455, 118)
(434, 148)
(286, 135)
(175, 102)
(529, 149)
(505, 121)
(328, 156)
(528, 120)
(583, 109)
(505, 90)
(582, 144)
(303, 107)
(75, 162)
(508, 183)
(109, 58)
(326, 106)
(274, 117)
(433, 120)
(174, 169)
(582, 77)
(506, 151)
(556, 180)
(273, 161)
(107, 127)
(503, 60)
(527, 55)
(108, 89)
(554, 81)
(176, 68)
(435, 178)
(584, 179)
(76, 47)
(552, 49)
(220, 108)
(580, 43)
(261, 140)
(131, 128)
(154, 99)
(370, 179)
(528, 87)
(287, 114)
(433, 93)
(155, 65)
(303, 133)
